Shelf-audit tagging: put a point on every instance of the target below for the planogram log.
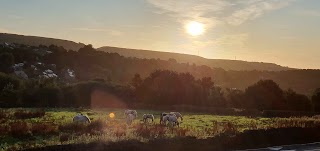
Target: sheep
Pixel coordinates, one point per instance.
(161, 117)
(127, 112)
(81, 118)
(172, 120)
(177, 114)
(130, 118)
(145, 117)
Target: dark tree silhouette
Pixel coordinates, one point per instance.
(297, 102)
(266, 94)
(136, 81)
(316, 100)
(6, 62)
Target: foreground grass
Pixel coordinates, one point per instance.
(29, 128)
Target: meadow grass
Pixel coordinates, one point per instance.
(28, 128)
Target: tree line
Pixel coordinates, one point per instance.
(161, 87)
(88, 64)
(148, 81)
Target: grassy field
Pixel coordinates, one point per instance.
(29, 128)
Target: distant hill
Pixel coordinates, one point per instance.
(36, 41)
(88, 64)
(236, 65)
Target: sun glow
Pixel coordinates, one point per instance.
(195, 28)
(111, 115)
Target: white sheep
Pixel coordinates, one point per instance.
(81, 118)
(145, 117)
(130, 118)
(161, 117)
(172, 120)
(179, 115)
(127, 112)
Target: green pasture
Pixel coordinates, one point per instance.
(196, 124)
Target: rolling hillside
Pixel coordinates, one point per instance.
(236, 65)
(36, 41)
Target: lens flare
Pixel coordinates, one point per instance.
(111, 115)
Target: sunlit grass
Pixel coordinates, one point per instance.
(56, 126)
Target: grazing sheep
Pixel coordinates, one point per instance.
(177, 114)
(127, 112)
(145, 117)
(172, 120)
(163, 115)
(130, 118)
(81, 118)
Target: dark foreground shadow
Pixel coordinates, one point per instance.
(246, 140)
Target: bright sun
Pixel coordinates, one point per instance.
(195, 28)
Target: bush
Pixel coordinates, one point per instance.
(3, 115)
(4, 129)
(72, 127)
(20, 114)
(9, 88)
(43, 128)
(19, 128)
(153, 131)
(8, 79)
(97, 125)
(42, 97)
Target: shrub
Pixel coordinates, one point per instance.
(20, 114)
(43, 128)
(73, 127)
(119, 132)
(4, 129)
(3, 115)
(229, 128)
(19, 128)
(97, 125)
(181, 132)
(152, 131)
(64, 138)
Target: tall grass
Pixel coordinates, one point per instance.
(55, 126)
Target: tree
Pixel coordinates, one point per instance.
(316, 100)
(136, 81)
(265, 95)
(86, 48)
(235, 98)
(297, 102)
(6, 62)
(9, 87)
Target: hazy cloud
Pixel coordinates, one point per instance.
(212, 12)
(254, 9)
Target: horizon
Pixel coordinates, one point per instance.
(282, 32)
(70, 40)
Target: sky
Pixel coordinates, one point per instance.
(285, 32)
